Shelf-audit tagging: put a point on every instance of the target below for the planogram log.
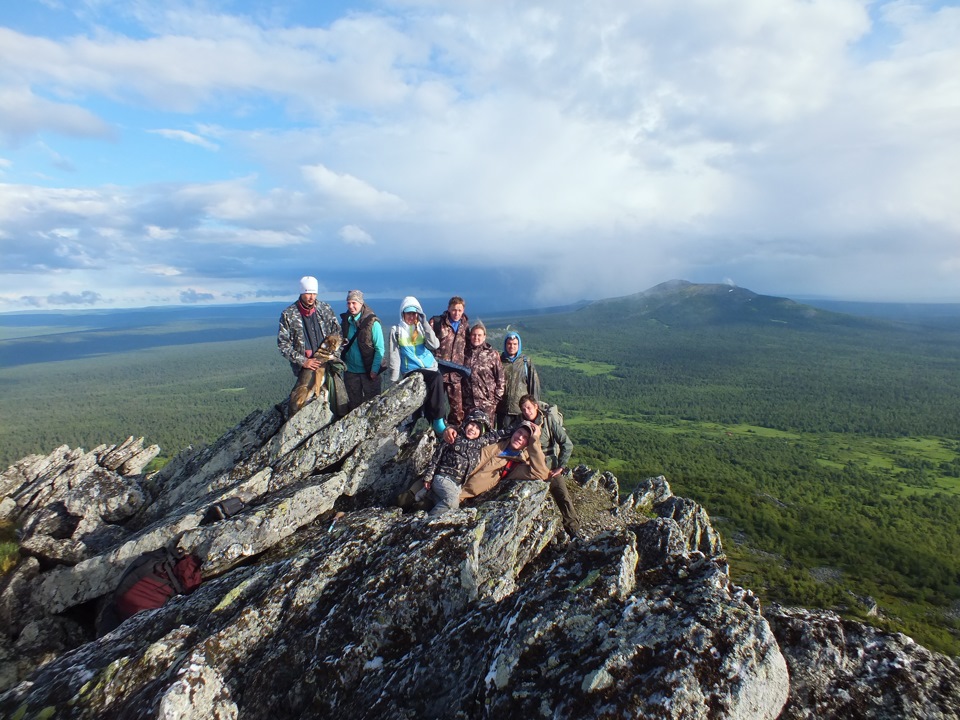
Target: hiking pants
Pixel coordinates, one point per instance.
(506, 421)
(447, 494)
(436, 405)
(561, 495)
(360, 388)
(452, 387)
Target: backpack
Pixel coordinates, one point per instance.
(228, 507)
(148, 582)
(337, 395)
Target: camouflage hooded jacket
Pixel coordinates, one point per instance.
(484, 388)
(557, 445)
(453, 343)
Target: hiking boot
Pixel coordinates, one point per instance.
(406, 500)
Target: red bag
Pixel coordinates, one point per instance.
(153, 578)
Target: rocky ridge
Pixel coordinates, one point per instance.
(485, 612)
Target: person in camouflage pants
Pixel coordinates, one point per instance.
(484, 388)
(451, 329)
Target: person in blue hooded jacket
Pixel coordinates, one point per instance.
(520, 378)
(411, 346)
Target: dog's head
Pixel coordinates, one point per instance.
(331, 343)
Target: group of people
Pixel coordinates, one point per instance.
(484, 404)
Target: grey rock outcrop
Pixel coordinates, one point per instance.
(483, 612)
(844, 669)
(71, 504)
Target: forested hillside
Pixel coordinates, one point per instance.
(824, 446)
(826, 451)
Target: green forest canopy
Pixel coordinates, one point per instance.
(826, 455)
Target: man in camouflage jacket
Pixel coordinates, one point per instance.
(303, 327)
(451, 329)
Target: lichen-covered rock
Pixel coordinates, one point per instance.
(647, 493)
(844, 669)
(15, 597)
(468, 615)
(597, 481)
(321, 599)
(71, 504)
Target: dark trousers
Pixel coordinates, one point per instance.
(505, 421)
(360, 388)
(561, 495)
(451, 385)
(435, 405)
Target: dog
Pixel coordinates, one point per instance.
(327, 351)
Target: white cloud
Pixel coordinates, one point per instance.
(163, 270)
(791, 144)
(353, 235)
(187, 137)
(352, 191)
(26, 115)
(159, 233)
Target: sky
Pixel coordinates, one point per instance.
(531, 153)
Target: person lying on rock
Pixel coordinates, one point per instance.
(451, 464)
(518, 457)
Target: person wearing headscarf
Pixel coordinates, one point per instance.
(520, 378)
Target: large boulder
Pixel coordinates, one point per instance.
(845, 669)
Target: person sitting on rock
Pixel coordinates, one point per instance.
(518, 457)
(557, 448)
(520, 378)
(411, 347)
(451, 465)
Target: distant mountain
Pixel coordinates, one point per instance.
(32, 337)
(679, 303)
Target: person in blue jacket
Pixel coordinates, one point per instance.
(363, 350)
(410, 349)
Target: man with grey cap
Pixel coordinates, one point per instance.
(303, 327)
(362, 351)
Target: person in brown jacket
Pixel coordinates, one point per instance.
(484, 388)
(518, 457)
(451, 329)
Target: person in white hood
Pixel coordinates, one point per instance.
(411, 348)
